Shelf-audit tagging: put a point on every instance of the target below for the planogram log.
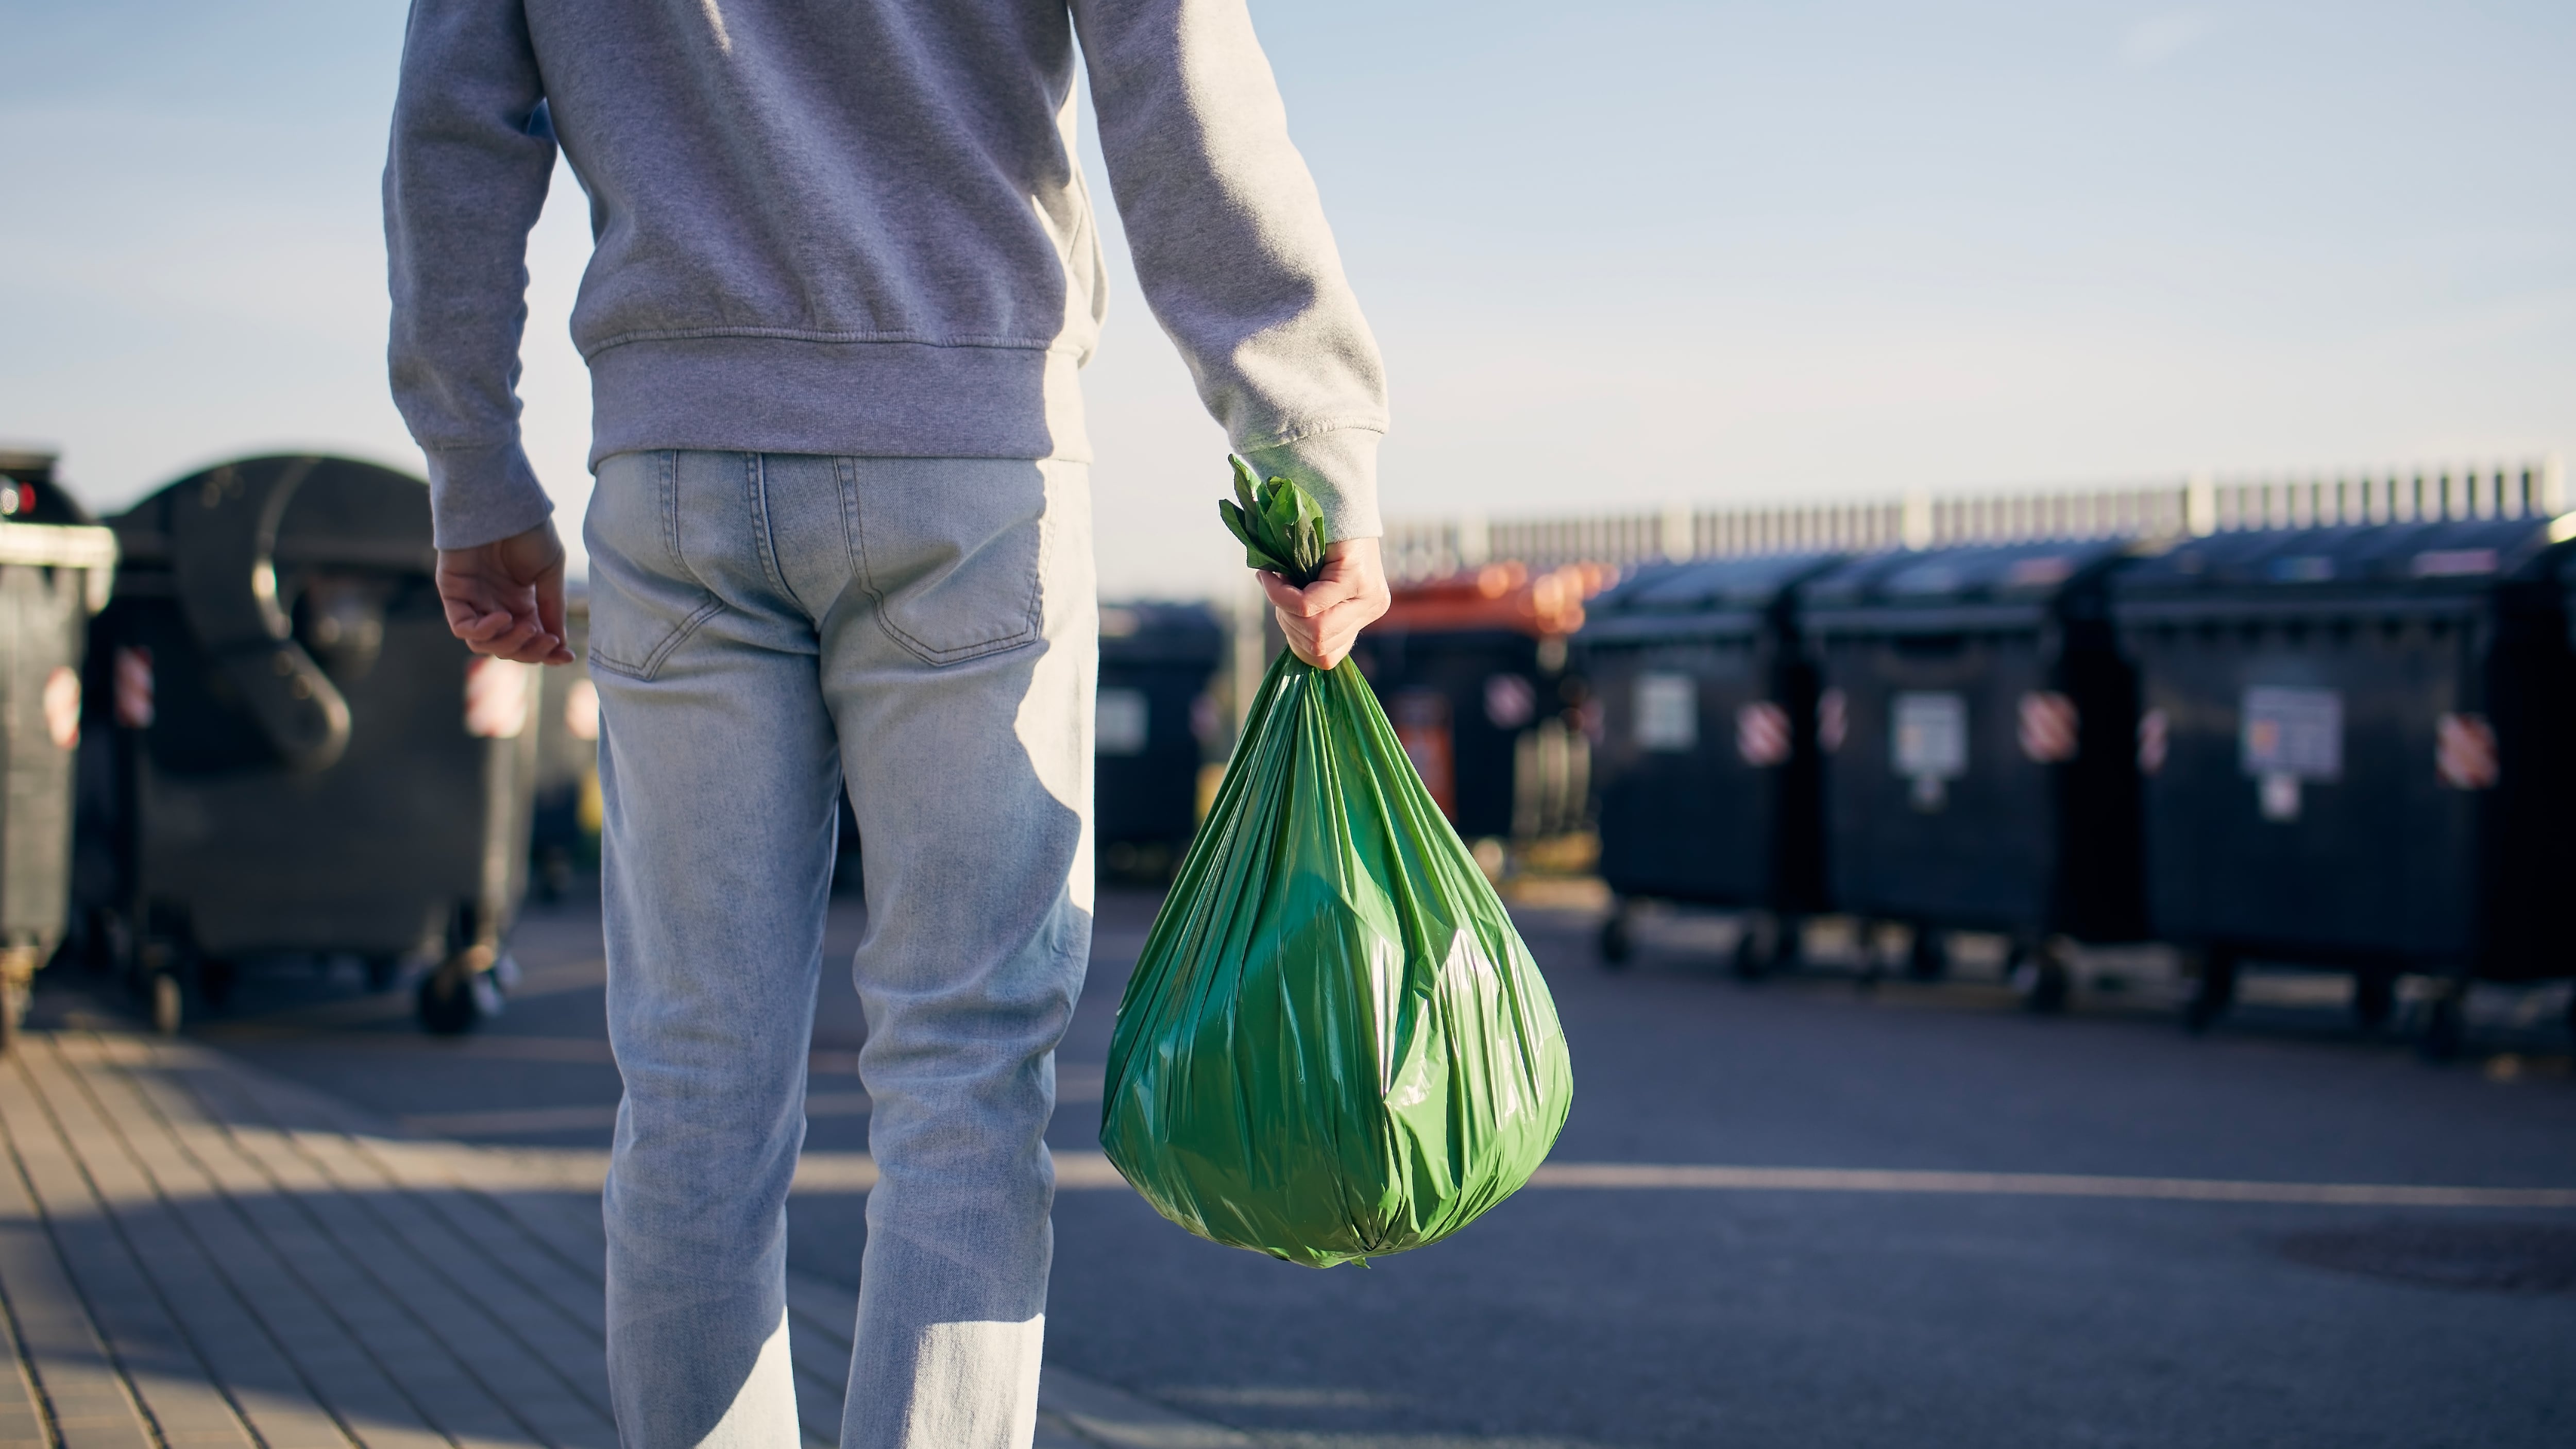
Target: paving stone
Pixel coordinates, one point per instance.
(195, 1255)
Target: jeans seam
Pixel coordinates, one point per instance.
(668, 486)
(845, 472)
(1047, 522)
(755, 484)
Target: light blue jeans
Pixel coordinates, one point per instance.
(763, 629)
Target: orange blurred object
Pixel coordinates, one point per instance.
(1499, 596)
(1421, 721)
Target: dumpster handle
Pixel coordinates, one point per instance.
(224, 545)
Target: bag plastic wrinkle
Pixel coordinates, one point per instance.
(1335, 1045)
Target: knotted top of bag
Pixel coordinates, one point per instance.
(1281, 528)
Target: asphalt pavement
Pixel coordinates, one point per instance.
(2017, 1231)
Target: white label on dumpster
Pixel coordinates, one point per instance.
(1119, 722)
(1931, 736)
(2293, 732)
(1667, 713)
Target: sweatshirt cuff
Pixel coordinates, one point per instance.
(1339, 467)
(483, 495)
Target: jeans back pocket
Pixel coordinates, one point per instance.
(644, 601)
(950, 550)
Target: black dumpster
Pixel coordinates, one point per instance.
(55, 571)
(1472, 672)
(297, 759)
(2356, 751)
(1151, 729)
(1460, 701)
(1977, 721)
(1706, 770)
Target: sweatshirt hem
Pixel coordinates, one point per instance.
(770, 393)
(802, 334)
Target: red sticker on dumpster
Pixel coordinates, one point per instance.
(1833, 720)
(1762, 734)
(2048, 727)
(2464, 752)
(1511, 701)
(134, 688)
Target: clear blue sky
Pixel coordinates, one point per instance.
(1617, 253)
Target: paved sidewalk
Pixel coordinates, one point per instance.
(196, 1255)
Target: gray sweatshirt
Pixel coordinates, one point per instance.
(858, 227)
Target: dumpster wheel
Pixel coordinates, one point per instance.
(2446, 1023)
(451, 997)
(2213, 993)
(167, 1002)
(1617, 942)
(17, 987)
(2040, 971)
(1757, 943)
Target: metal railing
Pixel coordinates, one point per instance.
(1430, 548)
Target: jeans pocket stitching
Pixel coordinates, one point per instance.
(653, 662)
(933, 655)
(667, 490)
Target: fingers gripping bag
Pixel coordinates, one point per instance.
(1335, 1044)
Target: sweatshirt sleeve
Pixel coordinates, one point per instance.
(465, 176)
(1232, 247)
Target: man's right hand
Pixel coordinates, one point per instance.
(1323, 619)
(506, 599)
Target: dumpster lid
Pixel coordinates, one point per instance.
(2384, 561)
(1156, 631)
(1501, 597)
(30, 493)
(1966, 587)
(345, 513)
(1700, 597)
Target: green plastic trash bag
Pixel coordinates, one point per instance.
(1335, 1044)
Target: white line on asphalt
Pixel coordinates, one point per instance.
(1081, 1171)
(856, 1172)
(1652, 1176)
